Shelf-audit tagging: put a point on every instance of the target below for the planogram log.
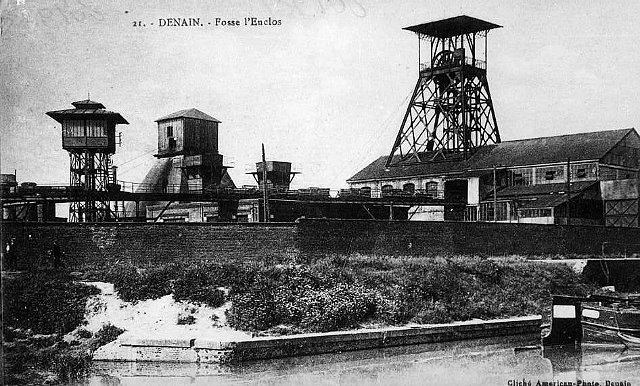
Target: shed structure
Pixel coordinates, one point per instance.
(586, 178)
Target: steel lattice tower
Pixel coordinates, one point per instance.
(88, 134)
(450, 113)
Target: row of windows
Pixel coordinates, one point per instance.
(430, 187)
(486, 211)
(84, 128)
(535, 212)
(550, 174)
(502, 212)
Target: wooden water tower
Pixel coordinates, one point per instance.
(89, 135)
(451, 113)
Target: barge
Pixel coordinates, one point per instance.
(594, 319)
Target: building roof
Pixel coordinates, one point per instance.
(550, 201)
(189, 113)
(543, 189)
(452, 26)
(547, 150)
(88, 104)
(525, 152)
(542, 195)
(87, 109)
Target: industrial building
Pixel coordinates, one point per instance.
(187, 161)
(278, 179)
(449, 146)
(532, 183)
(447, 163)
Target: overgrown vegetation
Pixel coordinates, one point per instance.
(134, 284)
(333, 293)
(340, 292)
(197, 282)
(46, 302)
(39, 308)
(344, 292)
(107, 334)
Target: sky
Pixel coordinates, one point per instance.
(325, 89)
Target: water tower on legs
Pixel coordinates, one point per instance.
(89, 135)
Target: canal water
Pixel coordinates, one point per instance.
(508, 361)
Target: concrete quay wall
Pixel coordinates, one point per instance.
(212, 351)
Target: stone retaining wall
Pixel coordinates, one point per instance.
(213, 351)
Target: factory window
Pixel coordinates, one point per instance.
(193, 173)
(365, 191)
(517, 179)
(432, 189)
(73, 128)
(409, 188)
(174, 219)
(582, 171)
(486, 211)
(169, 131)
(96, 128)
(535, 212)
(386, 189)
(521, 177)
(549, 174)
(471, 213)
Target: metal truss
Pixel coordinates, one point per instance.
(450, 114)
(621, 213)
(89, 172)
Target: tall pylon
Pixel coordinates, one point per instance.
(450, 114)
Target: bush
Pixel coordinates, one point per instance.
(70, 366)
(254, 311)
(310, 299)
(84, 333)
(133, 285)
(200, 285)
(106, 334)
(45, 302)
(335, 308)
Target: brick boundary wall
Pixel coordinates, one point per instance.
(428, 238)
(143, 243)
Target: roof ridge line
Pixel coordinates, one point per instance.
(569, 135)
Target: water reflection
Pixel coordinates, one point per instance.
(594, 363)
(503, 361)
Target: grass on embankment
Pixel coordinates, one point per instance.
(39, 308)
(336, 292)
(341, 292)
